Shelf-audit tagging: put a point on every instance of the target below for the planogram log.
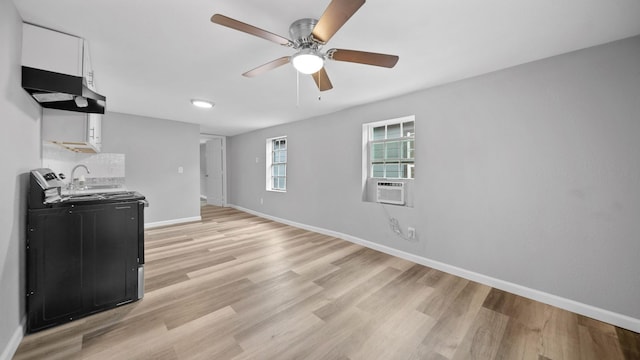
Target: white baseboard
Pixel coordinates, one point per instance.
(607, 316)
(171, 222)
(14, 342)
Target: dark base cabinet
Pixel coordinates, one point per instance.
(80, 260)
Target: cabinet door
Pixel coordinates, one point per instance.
(54, 268)
(110, 234)
(51, 50)
(80, 260)
(87, 66)
(95, 130)
(61, 125)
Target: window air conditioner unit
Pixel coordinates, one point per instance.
(390, 192)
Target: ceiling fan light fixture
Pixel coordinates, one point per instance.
(307, 61)
(204, 104)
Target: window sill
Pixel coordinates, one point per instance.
(277, 191)
(389, 179)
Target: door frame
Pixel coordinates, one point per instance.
(203, 139)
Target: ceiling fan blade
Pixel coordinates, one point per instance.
(336, 15)
(363, 57)
(249, 29)
(322, 80)
(268, 66)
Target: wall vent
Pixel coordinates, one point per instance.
(390, 192)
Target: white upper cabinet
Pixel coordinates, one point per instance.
(51, 50)
(94, 128)
(75, 131)
(87, 68)
(60, 125)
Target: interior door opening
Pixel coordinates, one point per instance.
(212, 171)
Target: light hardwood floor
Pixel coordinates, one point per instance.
(236, 286)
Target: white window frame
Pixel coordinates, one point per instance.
(367, 140)
(271, 165)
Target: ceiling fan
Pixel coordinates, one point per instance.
(309, 35)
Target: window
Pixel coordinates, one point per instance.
(391, 149)
(277, 164)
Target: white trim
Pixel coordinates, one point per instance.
(607, 316)
(14, 342)
(401, 119)
(171, 222)
(204, 138)
(269, 163)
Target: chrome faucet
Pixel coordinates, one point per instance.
(73, 179)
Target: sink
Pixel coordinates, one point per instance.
(110, 186)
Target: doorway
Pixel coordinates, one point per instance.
(213, 186)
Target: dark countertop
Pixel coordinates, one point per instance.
(95, 199)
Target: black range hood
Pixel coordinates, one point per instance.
(60, 91)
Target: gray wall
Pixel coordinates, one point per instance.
(154, 149)
(528, 175)
(19, 153)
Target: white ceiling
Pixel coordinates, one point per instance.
(151, 57)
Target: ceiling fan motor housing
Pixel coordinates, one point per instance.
(300, 32)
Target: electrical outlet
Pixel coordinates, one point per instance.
(411, 233)
(261, 201)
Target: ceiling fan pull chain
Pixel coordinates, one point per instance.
(297, 89)
(319, 87)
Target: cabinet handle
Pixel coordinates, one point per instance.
(122, 207)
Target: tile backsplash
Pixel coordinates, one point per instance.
(105, 168)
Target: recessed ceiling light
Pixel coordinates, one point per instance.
(202, 103)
